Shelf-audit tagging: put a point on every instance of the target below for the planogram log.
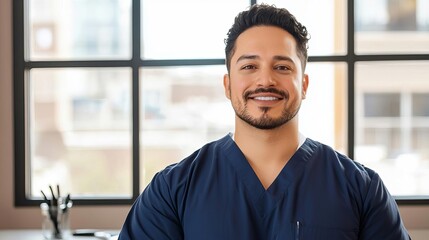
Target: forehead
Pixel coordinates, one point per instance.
(265, 41)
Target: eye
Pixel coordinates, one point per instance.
(248, 67)
(283, 68)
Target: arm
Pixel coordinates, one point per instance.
(153, 215)
(381, 219)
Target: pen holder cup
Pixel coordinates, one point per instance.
(56, 220)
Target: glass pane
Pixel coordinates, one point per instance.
(394, 145)
(392, 26)
(326, 23)
(326, 101)
(197, 30)
(421, 104)
(80, 131)
(382, 104)
(79, 29)
(182, 109)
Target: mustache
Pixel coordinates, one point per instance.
(266, 90)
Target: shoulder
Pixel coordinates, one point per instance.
(204, 155)
(333, 157)
(170, 186)
(356, 182)
(196, 163)
(358, 175)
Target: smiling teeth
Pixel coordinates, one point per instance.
(266, 98)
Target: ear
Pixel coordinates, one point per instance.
(227, 86)
(305, 82)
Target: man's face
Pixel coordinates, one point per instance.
(265, 84)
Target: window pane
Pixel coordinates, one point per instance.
(79, 29)
(80, 131)
(326, 101)
(392, 26)
(331, 14)
(382, 104)
(182, 109)
(421, 104)
(395, 145)
(197, 30)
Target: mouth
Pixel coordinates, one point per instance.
(266, 95)
(266, 98)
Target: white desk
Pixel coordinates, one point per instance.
(32, 234)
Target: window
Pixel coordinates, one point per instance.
(108, 92)
(391, 88)
(392, 123)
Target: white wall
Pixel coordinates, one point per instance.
(415, 217)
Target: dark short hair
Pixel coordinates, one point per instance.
(267, 15)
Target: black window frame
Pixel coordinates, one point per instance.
(22, 66)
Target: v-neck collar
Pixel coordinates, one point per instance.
(267, 199)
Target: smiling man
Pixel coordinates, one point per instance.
(265, 181)
(266, 84)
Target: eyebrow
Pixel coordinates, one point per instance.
(276, 57)
(247, 57)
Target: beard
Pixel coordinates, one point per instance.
(265, 122)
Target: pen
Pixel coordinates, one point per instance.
(58, 191)
(54, 199)
(93, 233)
(45, 198)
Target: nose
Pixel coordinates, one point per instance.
(266, 78)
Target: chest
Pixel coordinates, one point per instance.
(230, 207)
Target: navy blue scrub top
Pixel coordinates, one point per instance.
(215, 194)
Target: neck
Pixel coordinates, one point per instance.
(267, 151)
(277, 144)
